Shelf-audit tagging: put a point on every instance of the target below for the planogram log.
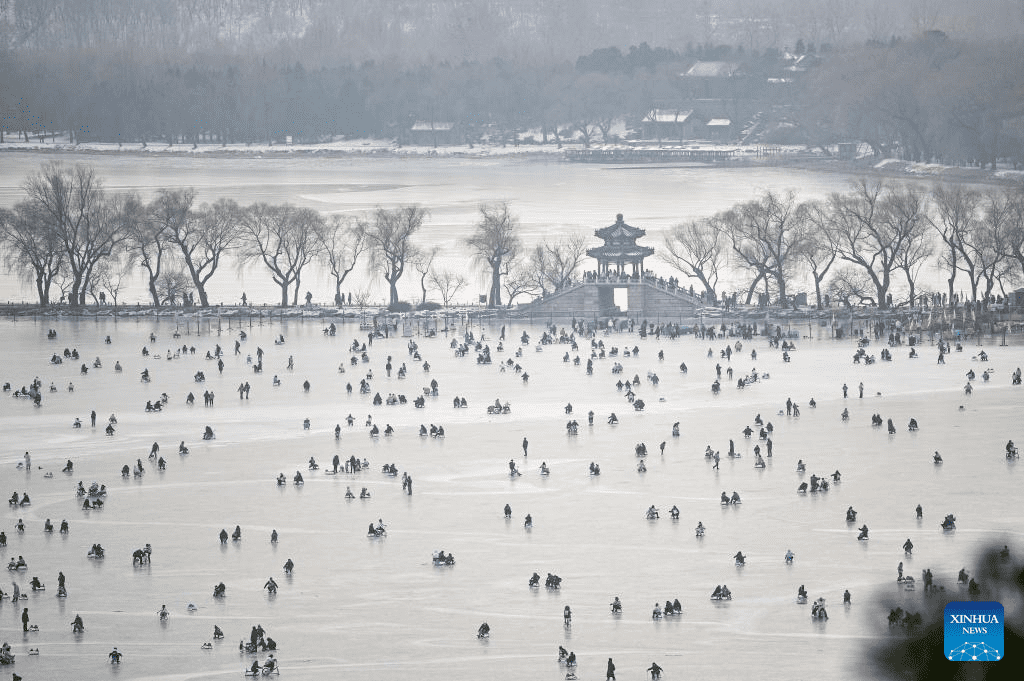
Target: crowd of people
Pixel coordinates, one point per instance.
(355, 465)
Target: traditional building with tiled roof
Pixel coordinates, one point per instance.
(620, 249)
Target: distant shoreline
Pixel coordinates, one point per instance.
(795, 157)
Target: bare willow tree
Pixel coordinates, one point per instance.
(87, 225)
(818, 250)
(865, 238)
(1013, 244)
(850, 284)
(535, 266)
(203, 238)
(389, 239)
(558, 261)
(173, 286)
(766, 236)
(984, 250)
(284, 238)
(342, 241)
(999, 212)
(110, 277)
(697, 250)
(906, 211)
(149, 240)
(124, 212)
(956, 208)
(447, 284)
(519, 279)
(423, 263)
(30, 247)
(495, 242)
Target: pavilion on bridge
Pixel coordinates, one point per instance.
(620, 249)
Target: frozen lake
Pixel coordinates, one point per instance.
(372, 609)
(551, 199)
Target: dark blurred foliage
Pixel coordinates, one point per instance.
(918, 653)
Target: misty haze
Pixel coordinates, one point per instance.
(708, 305)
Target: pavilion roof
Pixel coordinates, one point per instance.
(619, 231)
(614, 252)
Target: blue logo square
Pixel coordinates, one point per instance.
(973, 631)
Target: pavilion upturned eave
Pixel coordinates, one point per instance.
(606, 253)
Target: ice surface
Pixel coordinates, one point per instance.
(371, 609)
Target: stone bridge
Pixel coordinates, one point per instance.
(638, 299)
